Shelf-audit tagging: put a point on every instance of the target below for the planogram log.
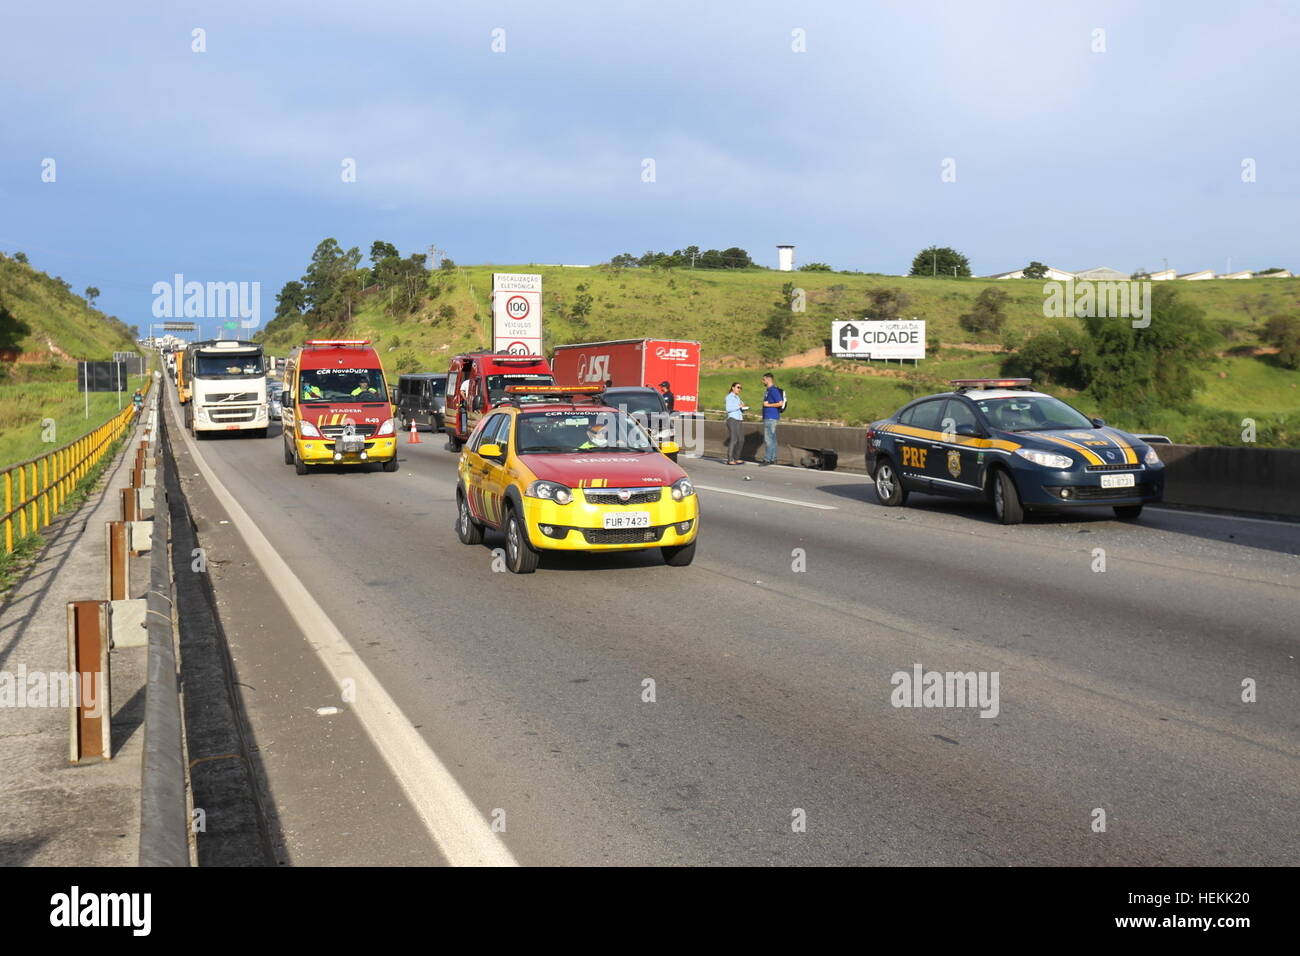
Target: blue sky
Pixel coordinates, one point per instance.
(225, 165)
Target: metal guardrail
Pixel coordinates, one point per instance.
(164, 817)
(35, 490)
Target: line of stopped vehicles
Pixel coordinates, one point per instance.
(593, 468)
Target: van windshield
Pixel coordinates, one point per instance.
(497, 383)
(341, 385)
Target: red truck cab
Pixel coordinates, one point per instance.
(477, 382)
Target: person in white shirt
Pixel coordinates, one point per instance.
(735, 417)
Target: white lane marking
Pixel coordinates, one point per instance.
(1206, 514)
(784, 501)
(451, 818)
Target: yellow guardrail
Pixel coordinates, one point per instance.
(35, 490)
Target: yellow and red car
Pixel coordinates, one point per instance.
(556, 474)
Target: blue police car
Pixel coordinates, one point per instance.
(1018, 449)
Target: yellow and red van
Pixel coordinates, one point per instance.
(335, 406)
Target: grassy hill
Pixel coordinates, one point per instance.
(43, 322)
(726, 311)
(45, 329)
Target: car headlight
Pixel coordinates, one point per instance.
(308, 430)
(550, 491)
(1151, 458)
(682, 488)
(386, 428)
(1045, 458)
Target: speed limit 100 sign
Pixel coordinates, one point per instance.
(517, 307)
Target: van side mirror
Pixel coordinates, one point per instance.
(490, 451)
(286, 398)
(477, 403)
(1098, 422)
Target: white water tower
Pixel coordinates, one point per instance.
(785, 258)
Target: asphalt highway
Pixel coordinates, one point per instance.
(1119, 736)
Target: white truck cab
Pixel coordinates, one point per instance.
(228, 387)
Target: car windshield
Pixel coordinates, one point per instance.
(568, 432)
(1030, 413)
(341, 385)
(497, 384)
(229, 366)
(637, 402)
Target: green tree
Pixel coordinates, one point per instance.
(291, 300)
(92, 294)
(380, 250)
(1054, 356)
(325, 278)
(736, 258)
(815, 267)
(1283, 331)
(987, 314)
(1151, 367)
(1035, 270)
(780, 325)
(20, 257)
(940, 261)
(349, 290)
(447, 264)
(887, 303)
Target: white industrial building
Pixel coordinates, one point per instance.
(1106, 274)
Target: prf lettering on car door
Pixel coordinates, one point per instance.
(914, 457)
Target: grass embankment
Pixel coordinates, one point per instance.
(726, 311)
(26, 410)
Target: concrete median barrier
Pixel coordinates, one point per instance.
(1253, 480)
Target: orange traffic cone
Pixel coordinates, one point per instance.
(415, 434)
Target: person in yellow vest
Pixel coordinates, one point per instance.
(364, 389)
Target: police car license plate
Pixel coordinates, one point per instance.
(1117, 481)
(627, 519)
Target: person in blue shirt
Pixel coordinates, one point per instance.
(773, 403)
(735, 417)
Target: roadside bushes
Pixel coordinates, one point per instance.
(987, 315)
(1283, 331)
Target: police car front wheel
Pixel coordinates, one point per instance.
(889, 487)
(1006, 499)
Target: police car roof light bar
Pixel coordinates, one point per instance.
(966, 384)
